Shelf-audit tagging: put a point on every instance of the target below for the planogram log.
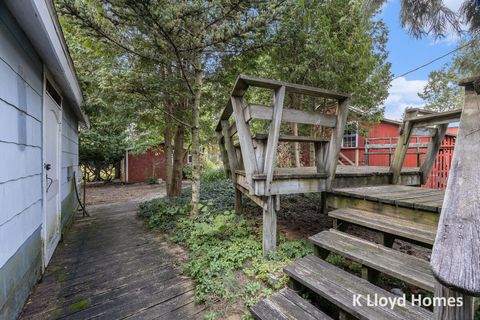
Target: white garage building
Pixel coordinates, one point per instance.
(40, 100)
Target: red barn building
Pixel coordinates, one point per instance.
(144, 166)
(378, 146)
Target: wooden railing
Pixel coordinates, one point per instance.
(256, 155)
(435, 125)
(387, 145)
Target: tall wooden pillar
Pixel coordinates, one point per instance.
(456, 256)
(270, 225)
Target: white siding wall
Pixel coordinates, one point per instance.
(69, 151)
(20, 137)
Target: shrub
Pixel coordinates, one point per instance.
(224, 248)
(213, 175)
(152, 180)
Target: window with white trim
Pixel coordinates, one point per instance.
(350, 135)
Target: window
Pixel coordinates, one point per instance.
(350, 136)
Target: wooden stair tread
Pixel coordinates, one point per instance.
(399, 227)
(402, 266)
(399, 195)
(286, 305)
(340, 288)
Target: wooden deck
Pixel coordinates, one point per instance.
(110, 267)
(307, 179)
(401, 196)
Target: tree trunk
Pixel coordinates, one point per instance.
(296, 145)
(178, 161)
(196, 137)
(294, 104)
(168, 157)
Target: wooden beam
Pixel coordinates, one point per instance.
(256, 199)
(435, 119)
(432, 151)
(336, 141)
(394, 145)
(291, 138)
(291, 88)
(400, 152)
(261, 112)
(456, 257)
(273, 135)
(232, 156)
(246, 143)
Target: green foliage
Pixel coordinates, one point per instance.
(163, 213)
(213, 175)
(152, 180)
(187, 171)
(224, 248)
(442, 92)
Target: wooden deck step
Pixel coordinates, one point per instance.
(286, 305)
(394, 263)
(400, 228)
(340, 288)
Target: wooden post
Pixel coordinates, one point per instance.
(455, 256)
(273, 135)
(223, 153)
(401, 149)
(336, 141)
(465, 312)
(230, 149)
(432, 151)
(246, 143)
(238, 200)
(269, 226)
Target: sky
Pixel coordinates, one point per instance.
(407, 53)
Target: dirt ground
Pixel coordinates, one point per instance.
(100, 193)
(300, 217)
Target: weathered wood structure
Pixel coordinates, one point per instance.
(250, 158)
(401, 212)
(251, 165)
(456, 255)
(434, 125)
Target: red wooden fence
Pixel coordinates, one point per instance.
(438, 176)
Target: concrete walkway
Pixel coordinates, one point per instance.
(109, 266)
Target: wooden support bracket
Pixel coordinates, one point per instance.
(432, 151)
(273, 136)
(246, 143)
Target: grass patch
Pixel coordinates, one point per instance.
(80, 305)
(224, 249)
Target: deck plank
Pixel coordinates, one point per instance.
(340, 287)
(403, 196)
(399, 265)
(110, 266)
(286, 305)
(406, 229)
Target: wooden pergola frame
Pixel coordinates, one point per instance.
(251, 165)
